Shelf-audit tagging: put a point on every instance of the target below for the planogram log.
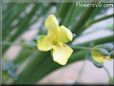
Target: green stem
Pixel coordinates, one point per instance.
(97, 20)
(79, 46)
(40, 71)
(64, 7)
(25, 45)
(40, 66)
(7, 23)
(28, 47)
(23, 27)
(102, 18)
(98, 41)
(70, 13)
(11, 43)
(83, 19)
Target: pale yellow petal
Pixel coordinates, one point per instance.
(61, 53)
(51, 24)
(99, 57)
(65, 35)
(43, 43)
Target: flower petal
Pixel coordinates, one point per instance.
(99, 57)
(43, 43)
(65, 35)
(51, 23)
(61, 53)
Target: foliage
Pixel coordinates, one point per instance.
(31, 64)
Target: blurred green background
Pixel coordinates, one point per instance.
(23, 63)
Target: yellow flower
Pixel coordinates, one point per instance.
(55, 40)
(99, 56)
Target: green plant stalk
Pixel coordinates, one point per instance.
(28, 61)
(95, 21)
(38, 75)
(22, 28)
(9, 11)
(98, 11)
(53, 66)
(45, 60)
(43, 13)
(14, 12)
(102, 18)
(45, 66)
(26, 50)
(22, 56)
(75, 17)
(77, 47)
(32, 65)
(7, 24)
(31, 49)
(74, 47)
(15, 35)
(83, 20)
(98, 41)
(68, 16)
(21, 22)
(63, 10)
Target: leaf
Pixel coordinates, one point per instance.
(40, 66)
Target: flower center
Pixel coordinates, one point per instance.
(54, 38)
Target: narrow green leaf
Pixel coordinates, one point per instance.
(62, 11)
(83, 19)
(102, 40)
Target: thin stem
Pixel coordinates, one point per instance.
(102, 18)
(27, 46)
(80, 47)
(98, 41)
(83, 19)
(62, 11)
(11, 43)
(22, 44)
(98, 20)
(83, 46)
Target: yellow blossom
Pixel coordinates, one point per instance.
(98, 56)
(55, 40)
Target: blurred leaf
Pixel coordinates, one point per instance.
(77, 28)
(102, 40)
(15, 13)
(64, 7)
(88, 24)
(40, 66)
(111, 81)
(23, 26)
